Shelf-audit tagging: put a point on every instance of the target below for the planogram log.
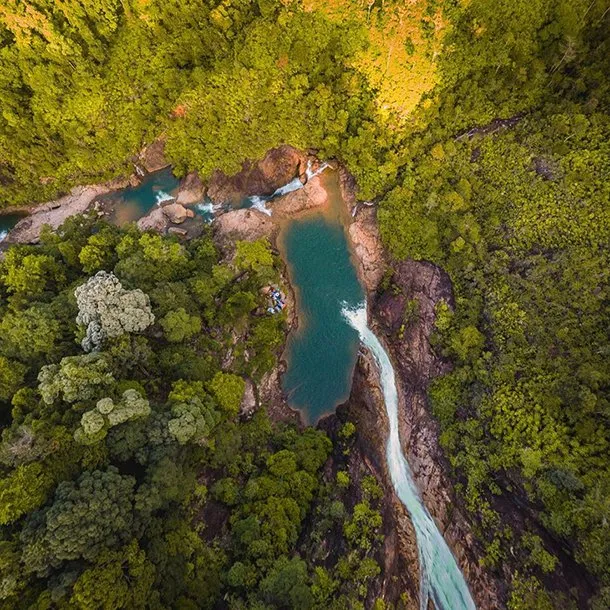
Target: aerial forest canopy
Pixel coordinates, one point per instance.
(121, 438)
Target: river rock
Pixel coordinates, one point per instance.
(191, 190)
(247, 224)
(155, 220)
(152, 157)
(54, 213)
(312, 195)
(177, 213)
(278, 167)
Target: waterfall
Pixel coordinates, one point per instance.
(260, 202)
(162, 197)
(3, 235)
(441, 578)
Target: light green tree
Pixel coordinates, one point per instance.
(96, 423)
(75, 378)
(179, 325)
(228, 389)
(108, 310)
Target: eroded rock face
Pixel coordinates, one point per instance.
(191, 190)
(366, 241)
(153, 156)
(313, 195)
(279, 166)
(406, 315)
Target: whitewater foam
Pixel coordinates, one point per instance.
(260, 204)
(162, 197)
(3, 235)
(441, 578)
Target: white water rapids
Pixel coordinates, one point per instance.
(441, 578)
(162, 197)
(260, 202)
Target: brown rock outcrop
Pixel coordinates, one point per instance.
(278, 167)
(152, 157)
(366, 242)
(191, 190)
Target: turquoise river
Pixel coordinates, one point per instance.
(321, 353)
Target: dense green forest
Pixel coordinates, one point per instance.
(519, 215)
(501, 176)
(129, 478)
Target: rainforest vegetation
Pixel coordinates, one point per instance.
(500, 174)
(128, 478)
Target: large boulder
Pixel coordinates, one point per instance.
(191, 190)
(246, 224)
(155, 220)
(278, 167)
(153, 156)
(177, 213)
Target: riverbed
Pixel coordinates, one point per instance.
(132, 203)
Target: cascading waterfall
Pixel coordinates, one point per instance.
(260, 202)
(441, 578)
(3, 235)
(162, 197)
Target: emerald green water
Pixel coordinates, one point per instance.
(322, 353)
(7, 222)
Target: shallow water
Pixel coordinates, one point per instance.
(322, 353)
(132, 203)
(7, 222)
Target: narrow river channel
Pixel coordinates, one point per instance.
(321, 353)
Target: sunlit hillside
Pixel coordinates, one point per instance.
(405, 39)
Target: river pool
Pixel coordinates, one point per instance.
(322, 352)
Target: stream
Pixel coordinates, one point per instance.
(321, 356)
(441, 578)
